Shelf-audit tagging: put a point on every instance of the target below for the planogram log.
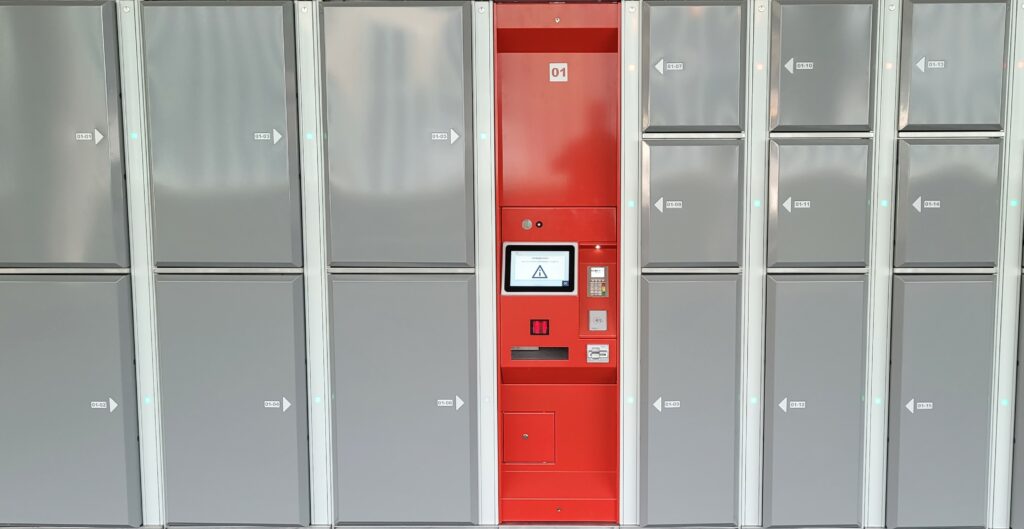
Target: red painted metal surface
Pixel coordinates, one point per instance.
(557, 83)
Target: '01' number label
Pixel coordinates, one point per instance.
(558, 72)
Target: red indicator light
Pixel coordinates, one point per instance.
(539, 327)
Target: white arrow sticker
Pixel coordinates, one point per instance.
(458, 403)
(454, 136)
(931, 65)
(660, 204)
(664, 66)
(451, 136)
(784, 405)
(917, 204)
(657, 404)
(97, 138)
(788, 204)
(109, 405)
(913, 405)
(273, 136)
(660, 66)
(276, 135)
(792, 65)
(285, 404)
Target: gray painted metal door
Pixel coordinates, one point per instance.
(952, 65)
(822, 68)
(69, 449)
(694, 56)
(819, 195)
(400, 141)
(692, 199)
(690, 408)
(62, 186)
(404, 351)
(220, 80)
(814, 401)
(233, 387)
(942, 354)
(947, 210)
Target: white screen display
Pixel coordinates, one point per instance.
(539, 269)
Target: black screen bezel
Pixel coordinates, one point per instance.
(507, 273)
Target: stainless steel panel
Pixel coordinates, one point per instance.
(689, 398)
(822, 74)
(694, 63)
(400, 343)
(62, 188)
(400, 137)
(819, 199)
(952, 64)
(233, 387)
(220, 79)
(948, 203)
(692, 203)
(68, 456)
(814, 401)
(940, 402)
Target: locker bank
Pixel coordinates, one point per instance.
(667, 263)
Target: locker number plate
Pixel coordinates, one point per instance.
(558, 72)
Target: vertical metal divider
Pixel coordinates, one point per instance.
(880, 271)
(629, 253)
(133, 102)
(1008, 277)
(313, 188)
(753, 269)
(486, 266)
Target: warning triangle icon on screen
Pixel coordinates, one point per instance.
(539, 273)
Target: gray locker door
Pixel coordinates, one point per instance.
(62, 187)
(689, 389)
(401, 344)
(220, 80)
(692, 203)
(952, 64)
(947, 211)
(942, 353)
(819, 195)
(694, 57)
(69, 449)
(1017, 488)
(822, 65)
(400, 137)
(814, 401)
(233, 387)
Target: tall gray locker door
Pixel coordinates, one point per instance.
(947, 209)
(814, 401)
(690, 409)
(692, 198)
(818, 196)
(940, 401)
(952, 63)
(404, 350)
(400, 133)
(233, 389)
(69, 449)
(221, 96)
(694, 63)
(821, 65)
(1017, 487)
(62, 184)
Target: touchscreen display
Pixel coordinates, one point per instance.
(540, 268)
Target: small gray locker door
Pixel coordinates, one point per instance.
(692, 199)
(814, 401)
(220, 81)
(690, 408)
(942, 353)
(821, 65)
(233, 387)
(69, 449)
(694, 57)
(952, 62)
(62, 186)
(400, 138)
(947, 211)
(819, 194)
(401, 345)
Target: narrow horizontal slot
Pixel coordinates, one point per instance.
(562, 40)
(540, 353)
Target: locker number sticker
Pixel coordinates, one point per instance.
(558, 72)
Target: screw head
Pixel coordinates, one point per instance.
(526, 436)
(557, 20)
